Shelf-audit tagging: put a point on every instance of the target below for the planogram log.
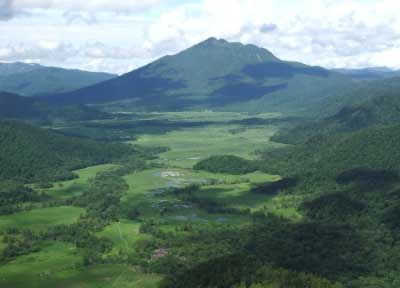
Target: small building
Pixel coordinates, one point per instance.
(159, 253)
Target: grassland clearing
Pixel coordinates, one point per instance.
(41, 219)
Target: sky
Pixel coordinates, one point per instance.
(120, 35)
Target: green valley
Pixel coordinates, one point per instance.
(221, 166)
(149, 200)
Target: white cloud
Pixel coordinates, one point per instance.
(88, 5)
(119, 35)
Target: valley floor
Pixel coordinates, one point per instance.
(58, 264)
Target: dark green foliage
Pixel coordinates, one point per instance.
(335, 207)
(225, 272)
(29, 80)
(269, 276)
(330, 250)
(226, 164)
(250, 275)
(31, 154)
(271, 188)
(391, 217)
(12, 192)
(17, 246)
(369, 178)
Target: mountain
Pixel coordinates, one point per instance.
(371, 73)
(33, 110)
(375, 103)
(34, 79)
(29, 154)
(213, 74)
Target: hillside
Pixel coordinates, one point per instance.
(327, 156)
(214, 74)
(33, 154)
(33, 110)
(34, 79)
(376, 103)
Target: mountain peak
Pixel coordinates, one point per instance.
(223, 49)
(213, 41)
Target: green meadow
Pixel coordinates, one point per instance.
(74, 187)
(59, 265)
(123, 234)
(40, 219)
(188, 146)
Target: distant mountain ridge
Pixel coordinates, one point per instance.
(34, 79)
(214, 74)
(7, 69)
(370, 73)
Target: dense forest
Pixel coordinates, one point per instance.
(32, 154)
(327, 156)
(226, 164)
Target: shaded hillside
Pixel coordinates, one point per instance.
(16, 107)
(34, 79)
(31, 154)
(30, 109)
(213, 74)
